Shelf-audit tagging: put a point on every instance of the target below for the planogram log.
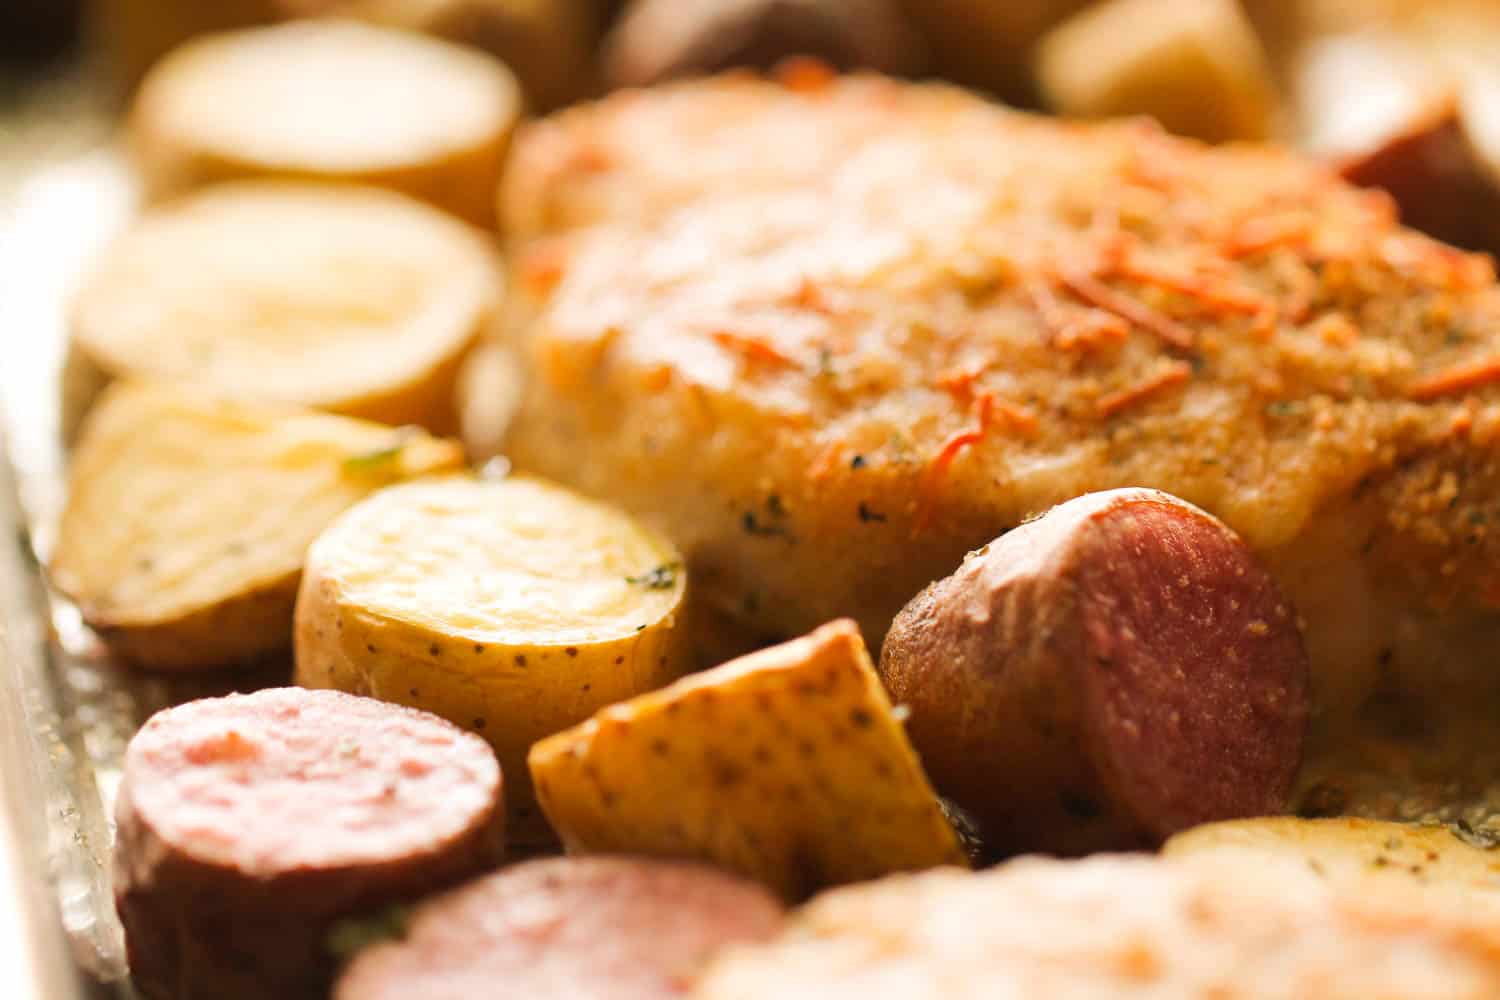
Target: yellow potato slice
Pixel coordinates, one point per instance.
(786, 765)
(330, 100)
(513, 608)
(1197, 68)
(1349, 849)
(354, 300)
(188, 517)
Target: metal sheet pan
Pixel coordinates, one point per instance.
(66, 711)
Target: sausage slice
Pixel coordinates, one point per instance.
(605, 928)
(1106, 675)
(248, 824)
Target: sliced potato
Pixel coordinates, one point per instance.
(1350, 849)
(1197, 68)
(355, 300)
(188, 517)
(513, 608)
(328, 100)
(786, 765)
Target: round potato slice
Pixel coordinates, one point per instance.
(354, 300)
(513, 608)
(188, 517)
(328, 99)
(1349, 849)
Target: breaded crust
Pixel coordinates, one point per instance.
(1116, 927)
(639, 153)
(828, 389)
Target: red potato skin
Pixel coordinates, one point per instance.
(198, 928)
(1435, 178)
(1104, 676)
(601, 928)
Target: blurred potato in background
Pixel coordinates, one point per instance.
(1398, 94)
(1198, 69)
(660, 39)
(548, 44)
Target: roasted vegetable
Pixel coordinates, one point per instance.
(348, 299)
(188, 517)
(786, 765)
(513, 608)
(1196, 68)
(328, 100)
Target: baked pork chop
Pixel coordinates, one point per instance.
(829, 387)
(1124, 928)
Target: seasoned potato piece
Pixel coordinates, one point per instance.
(1349, 849)
(188, 517)
(354, 300)
(328, 100)
(786, 765)
(1104, 676)
(513, 608)
(1197, 68)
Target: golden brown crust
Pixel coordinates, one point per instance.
(1117, 926)
(828, 390)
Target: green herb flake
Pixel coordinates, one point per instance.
(1283, 408)
(1486, 838)
(347, 937)
(381, 461)
(663, 577)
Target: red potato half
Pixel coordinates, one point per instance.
(562, 928)
(1106, 675)
(249, 825)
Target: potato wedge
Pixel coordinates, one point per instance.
(188, 517)
(513, 608)
(786, 765)
(1349, 849)
(1197, 68)
(328, 100)
(354, 300)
